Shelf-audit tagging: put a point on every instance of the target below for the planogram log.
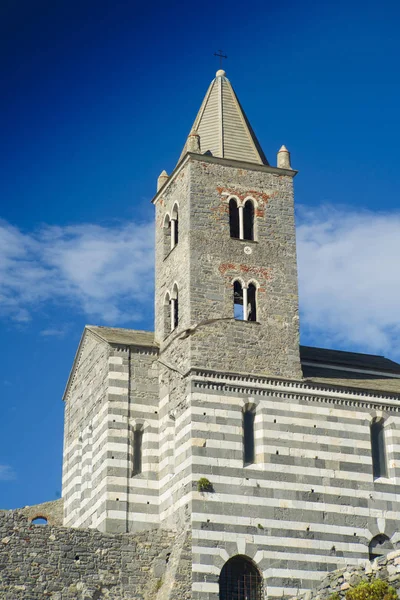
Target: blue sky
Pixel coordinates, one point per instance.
(99, 97)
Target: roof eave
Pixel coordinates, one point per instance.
(240, 164)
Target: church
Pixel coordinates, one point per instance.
(280, 462)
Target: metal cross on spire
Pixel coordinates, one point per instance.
(221, 56)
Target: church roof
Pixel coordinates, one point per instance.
(333, 368)
(348, 360)
(350, 369)
(128, 337)
(223, 127)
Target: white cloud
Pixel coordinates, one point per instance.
(348, 275)
(105, 272)
(349, 278)
(6, 473)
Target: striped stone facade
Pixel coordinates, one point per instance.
(113, 390)
(309, 503)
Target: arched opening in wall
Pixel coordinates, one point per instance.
(137, 451)
(238, 301)
(252, 302)
(39, 521)
(167, 235)
(378, 450)
(174, 226)
(240, 580)
(248, 436)
(380, 545)
(167, 315)
(233, 218)
(248, 220)
(174, 308)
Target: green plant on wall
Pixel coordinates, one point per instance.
(374, 590)
(203, 485)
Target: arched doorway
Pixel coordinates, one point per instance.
(379, 546)
(240, 579)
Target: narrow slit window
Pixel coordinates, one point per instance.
(238, 301)
(137, 451)
(167, 236)
(175, 308)
(248, 221)
(378, 450)
(233, 218)
(248, 437)
(174, 227)
(176, 230)
(251, 303)
(167, 315)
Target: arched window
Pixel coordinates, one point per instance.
(233, 218)
(238, 306)
(248, 220)
(174, 308)
(251, 302)
(137, 451)
(167, 314)
(240, 580)
(379, 466)
(39, 521)
(167, 235)
(248, 436)
(174, 227)
(380, 545)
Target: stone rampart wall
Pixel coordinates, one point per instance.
(386, 568)
(44, 561)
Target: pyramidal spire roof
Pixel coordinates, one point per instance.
(223, 127)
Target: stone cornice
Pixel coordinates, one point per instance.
(298, 390)
(228, 162)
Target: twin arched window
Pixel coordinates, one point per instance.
(241, 220)
(171, 230)
(171, 311)
(378, 450)
(244, 301)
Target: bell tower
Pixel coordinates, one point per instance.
(226, 274)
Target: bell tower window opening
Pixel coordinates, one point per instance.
(137, 451)
(248, 437)
(233, 218)
(378, 450)
(238, 301)
(240, 580)
(251, 302)
(174, 227)
(174, 308)
(167, 235)
(248, 221)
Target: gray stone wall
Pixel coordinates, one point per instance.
(339, 582)
(269, 346)
(38, 562)
(52, 511)
(206, 260)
